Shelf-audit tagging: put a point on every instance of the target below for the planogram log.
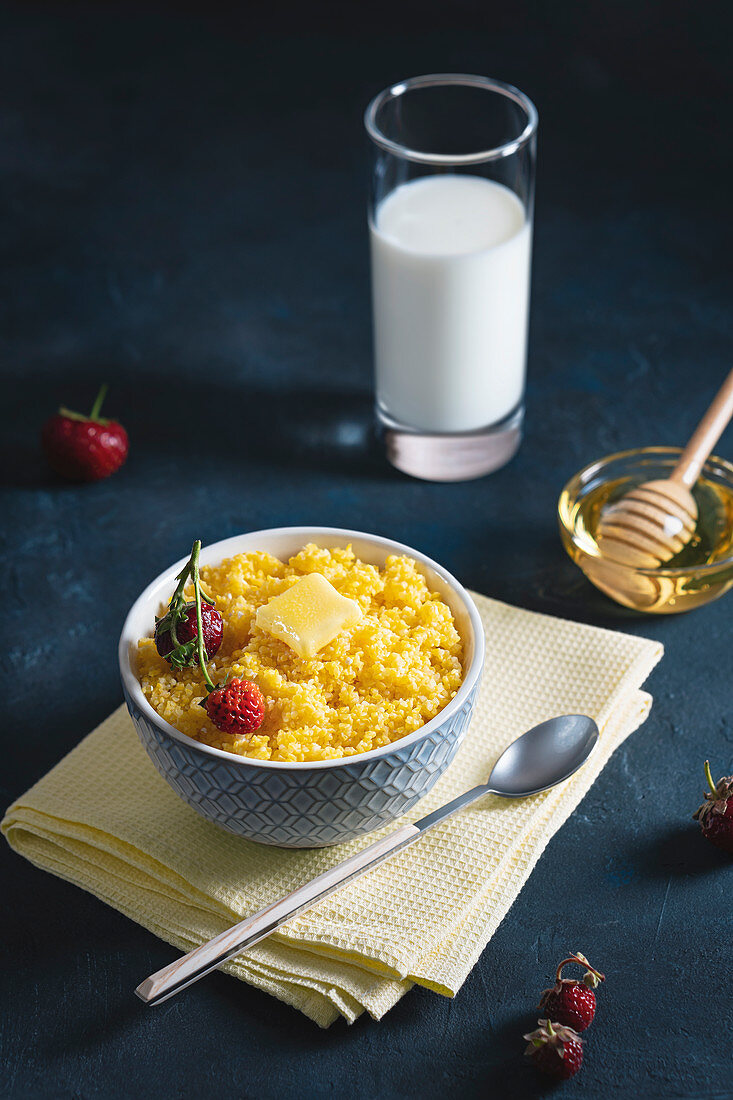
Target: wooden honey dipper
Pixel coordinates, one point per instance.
(656, 520)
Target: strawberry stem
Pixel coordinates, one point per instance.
(581, 962)
(709, 777)
(98, 401)
(177, 601)
(184, 654)
(210, 686)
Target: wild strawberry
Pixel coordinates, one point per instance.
(84, 448)
(716, 813)
(236, 708)
(555, 1050)
(572, 1002)
(176, 632)
(175, 629)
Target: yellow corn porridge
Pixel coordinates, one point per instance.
(377, 681)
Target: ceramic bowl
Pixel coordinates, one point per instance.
(305, 805)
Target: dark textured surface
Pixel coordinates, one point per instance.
(183, 215)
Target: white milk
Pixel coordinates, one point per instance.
(450, 283)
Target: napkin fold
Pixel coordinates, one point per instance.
(104, 819)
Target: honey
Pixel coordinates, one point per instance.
(700, 572)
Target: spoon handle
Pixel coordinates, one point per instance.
(209, 956)
(707, 434)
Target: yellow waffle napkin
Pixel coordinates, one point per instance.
(104, 819)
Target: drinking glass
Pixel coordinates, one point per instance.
(450, 220)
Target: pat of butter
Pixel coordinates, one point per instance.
(309, 615)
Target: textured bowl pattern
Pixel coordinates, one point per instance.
(305, 805)
(294, 808)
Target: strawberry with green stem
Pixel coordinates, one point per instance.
(188, 622)
(192, 632)
(84, 448)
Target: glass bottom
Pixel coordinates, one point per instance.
(451, 456)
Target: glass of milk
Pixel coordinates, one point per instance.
(450, 218)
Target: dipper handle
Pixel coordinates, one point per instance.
(707, 434)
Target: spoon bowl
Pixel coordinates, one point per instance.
(544, 756)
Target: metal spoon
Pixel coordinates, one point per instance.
(536, 761)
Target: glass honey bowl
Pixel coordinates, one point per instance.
(701, 572)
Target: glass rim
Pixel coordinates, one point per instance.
(437, 80)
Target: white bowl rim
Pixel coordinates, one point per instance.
(470, 679)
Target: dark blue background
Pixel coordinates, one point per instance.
(182, 193)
